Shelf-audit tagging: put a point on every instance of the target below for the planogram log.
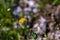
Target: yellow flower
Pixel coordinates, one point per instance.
(22, 20)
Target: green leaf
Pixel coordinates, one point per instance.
(34, 35)
(55, 2)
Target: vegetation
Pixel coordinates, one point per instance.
(6, 20)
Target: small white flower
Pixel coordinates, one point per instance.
(44, 38)
(5, 29)
(31, 3)
(35, 10)
(57, 35)
(8, 9)
(15, 25)
(51, 35)
(39, 38)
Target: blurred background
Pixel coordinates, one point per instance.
(29, 19)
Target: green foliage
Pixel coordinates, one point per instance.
(9, 35)
(55, 2)
(5, 16)
(34, 35)
(6, 20)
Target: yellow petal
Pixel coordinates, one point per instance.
(22, 20)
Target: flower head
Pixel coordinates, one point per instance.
(22, 20)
